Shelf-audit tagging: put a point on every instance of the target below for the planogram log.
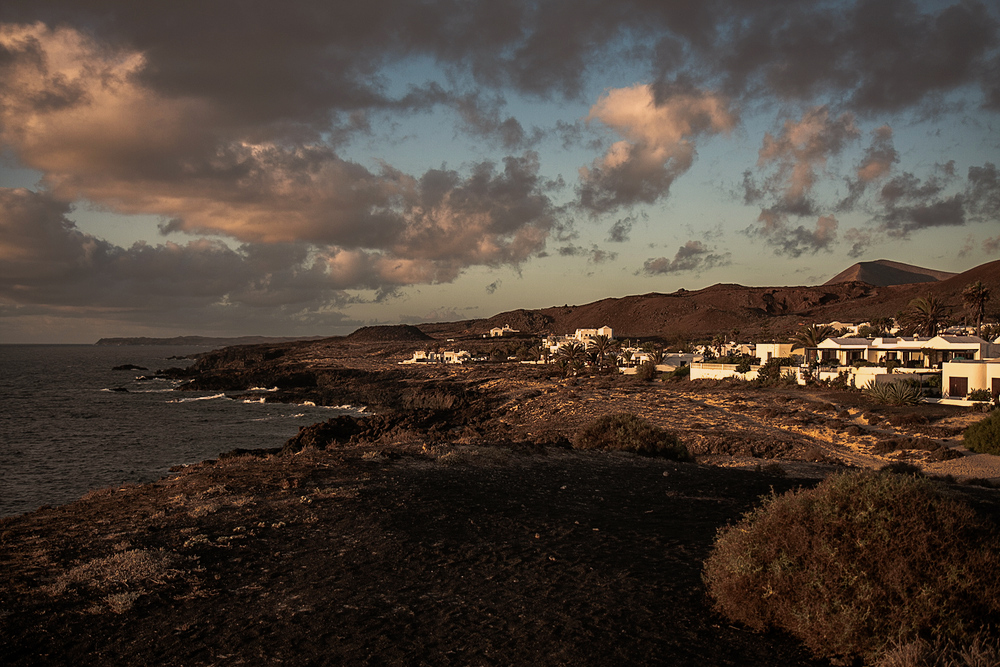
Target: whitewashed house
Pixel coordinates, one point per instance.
(767, 351)
(500, 332)
(959, 378)
(445, 357)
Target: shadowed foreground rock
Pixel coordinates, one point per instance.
(451, 556)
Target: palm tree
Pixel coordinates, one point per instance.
(925, 314)
(572, 353)
(811, 337)
(601, 344)
(975, 296)
(718, 341)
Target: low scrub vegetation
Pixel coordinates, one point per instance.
(982, 651)
(859, 562)
(981, 395)
(984, 436)
(628, 433)
(893, 393)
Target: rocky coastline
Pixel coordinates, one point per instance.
(454, 523)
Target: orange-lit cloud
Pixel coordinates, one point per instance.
(657, 143)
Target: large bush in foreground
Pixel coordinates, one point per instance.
(860, 561)
(629, 433)
(984, 435)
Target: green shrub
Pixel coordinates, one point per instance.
(629, 433)
(860, 561)
(681, 372)
(984, 435)
(893, 393)
(980, 395)
(769, 372)
(646, 371)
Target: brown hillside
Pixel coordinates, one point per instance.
(754, 311)
(883, 273)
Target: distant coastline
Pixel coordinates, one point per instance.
(207, 341)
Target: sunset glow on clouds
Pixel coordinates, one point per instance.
(298, 169)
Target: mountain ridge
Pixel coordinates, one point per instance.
(760, 312)
(885, 273)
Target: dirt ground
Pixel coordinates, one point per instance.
(491, 542)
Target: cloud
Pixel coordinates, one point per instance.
(860, 240)
(983, 192)
(876, 164)
(600, 256)
(98, 132)
(594, 254)
(47, 261)
(878, 56)
(900, 220)
(493, 286)
(790, 159)
(657, 144)
(991, 246)
(482, 118)
(620, 231)
(794, 241)
(692, 257)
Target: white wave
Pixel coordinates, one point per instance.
(254, 400)
(198, 398)
(308, 404)
(263, 389)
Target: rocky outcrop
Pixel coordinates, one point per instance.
(347, 430)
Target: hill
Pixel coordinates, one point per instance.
(883, 273)
(753, 311)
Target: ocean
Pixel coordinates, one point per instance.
(64, 430)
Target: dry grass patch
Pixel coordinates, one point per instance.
(125, 569)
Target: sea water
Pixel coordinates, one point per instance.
(65, 430)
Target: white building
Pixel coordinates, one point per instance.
(586, 335)
(767, 351)
(960, 377)
(912, 351)
(583, 336)
(500, 332)
(445, 357)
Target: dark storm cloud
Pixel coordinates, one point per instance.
(881, 55)
(692, 257)
(232, 118)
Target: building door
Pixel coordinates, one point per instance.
(958, 387)
(996, 387)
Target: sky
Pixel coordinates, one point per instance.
(310, 167)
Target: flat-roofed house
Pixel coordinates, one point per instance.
(959, 378)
